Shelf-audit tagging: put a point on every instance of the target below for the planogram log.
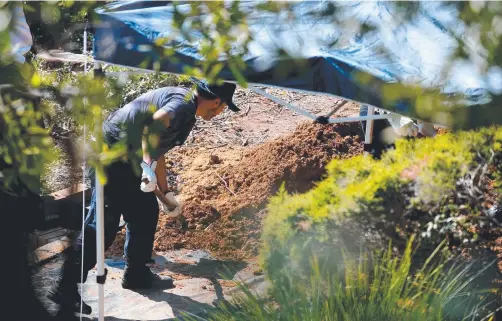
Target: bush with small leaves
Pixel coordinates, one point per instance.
(435, 187)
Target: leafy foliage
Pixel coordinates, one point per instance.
(59, 24)
(435, 184)
(367, 287)
(25, 146)
(132, 86)
(223, 32)
(434, 187)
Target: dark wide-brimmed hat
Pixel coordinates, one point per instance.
(224, 92)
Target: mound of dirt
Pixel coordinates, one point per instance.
(240, 190)
(224, 192)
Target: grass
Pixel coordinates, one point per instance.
(370, 287)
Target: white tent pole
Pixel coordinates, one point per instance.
(83, 191)
(358, 118)
(369, 118)
(368, 136)
(100, 236)
(282, 102)
(100, 246)
(85, 50)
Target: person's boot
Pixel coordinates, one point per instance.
(142, 277)
(66, 302)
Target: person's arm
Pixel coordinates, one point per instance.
(161, 173)
(160, 166)
(159, 116)
(144, 147)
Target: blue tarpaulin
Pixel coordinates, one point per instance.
(324, 56)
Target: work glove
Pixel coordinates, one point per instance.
(148, 178)
(426, 129)
(410, 129)
(174, 213)
(403, 126)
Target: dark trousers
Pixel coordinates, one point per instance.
(140, 210)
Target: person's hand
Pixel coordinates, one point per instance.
(148, 178)
(174, 213)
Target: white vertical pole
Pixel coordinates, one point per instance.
(100, 246)
(83, 191)
(368, 136)
(85, 49)
(100, 234)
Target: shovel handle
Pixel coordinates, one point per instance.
(161, 197)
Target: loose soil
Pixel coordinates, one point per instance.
(224, 191)
(231, 166)
(249, 154)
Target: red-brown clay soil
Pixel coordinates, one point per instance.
(224, 191)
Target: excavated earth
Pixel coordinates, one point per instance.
(225, 190)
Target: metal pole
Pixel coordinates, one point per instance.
(359, 118)
(282, 102)
(369, 118)
(100, 246)
(83, 191)
(100, 234)
(85, 49)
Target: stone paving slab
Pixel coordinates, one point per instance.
(200, 282)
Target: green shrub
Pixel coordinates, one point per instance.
(431, 187)
(136, 85)
(370, 287)
(119, 91)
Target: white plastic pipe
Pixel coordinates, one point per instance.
(85, 50)
(358, 118)
(100, 235)
(83, 191)
(100, 246)
(282, 102)
(368, 136)
(298, 110)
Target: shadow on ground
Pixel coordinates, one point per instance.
(196, 264)
(207, 268)
(198, 279)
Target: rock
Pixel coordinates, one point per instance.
(238, 243)
(214, 159)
